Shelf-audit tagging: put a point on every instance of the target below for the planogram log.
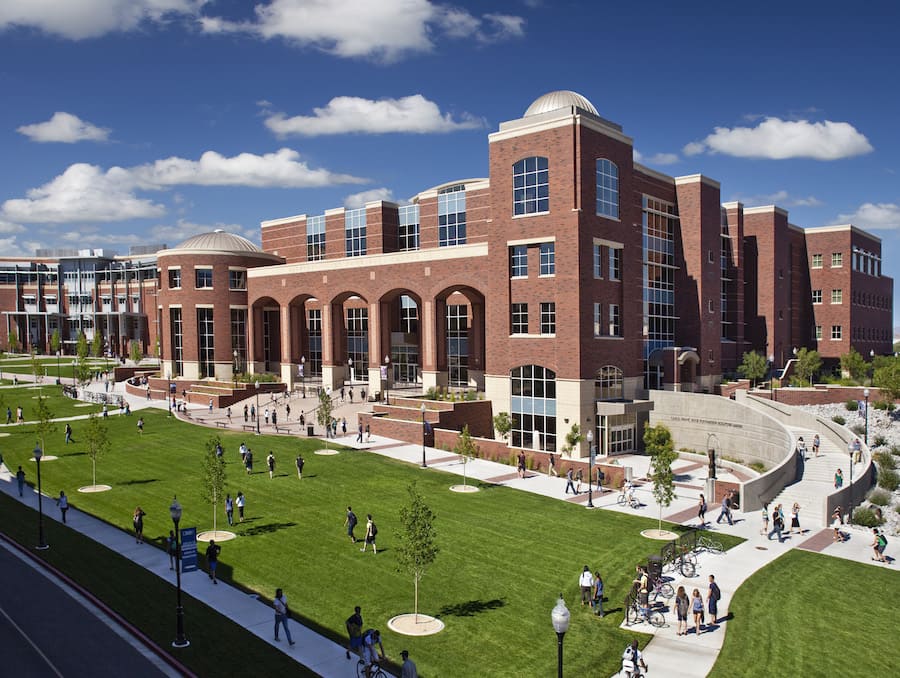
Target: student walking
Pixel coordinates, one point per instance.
(68, 434)
(680, 608)
(368, 434)
(795, 518)
(579, 478)
(371, 533)
(137, 521)
(879, 544)
(359, 433)
(598, 594)
(570, 485)
(282, 615)
(20, 480)
(63, 503)
(239, 501)
(836, 522)
(838, 479)
(300, 462)
(354, 625)
(520, 468)
(140, 425)
(697, 609)
(551, 467)
(701, 511)
(229, 509)
(765, 519)
(212, 557)
(246, 414)
(585, 581)
(270, 462)
(726, 509)
(815, 445)
(777, 524)
(712, 599)
(248, 461)
(350, 523)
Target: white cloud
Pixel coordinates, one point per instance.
(656, 159)
(11, 247)
(9, 227)
(343, 115)
(64, 128)
(360, 199)
(80, 19)
(172, 234)
(778, 139)
(781, 198)
(86, 193)
(385, 30)
(876, 216)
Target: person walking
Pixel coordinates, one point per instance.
(8, 415)
(697, 609)
(20, 415)
(598, 594)
(836, 522)
(570, 484)
(354, 625)
(879, 542)
(20, 481)
(680, 607)
(726, 509)
(229, 509)
(701, 511)
(359, 432)
(287, 411)
(520, 466)
(350, 523)
(246, 413)
(551, 467)
(212, 558)
(371, 533)
(765, 519)
(270, 463)
(140, 425)
(228, 415)
(801, 448)
(777, 524)
(281, 615)
(815, 445)
(408, 668)
(137, 521)
(266, 416)
(300, 462)
(63, 503)
(248, 461)
(368, 434)
(68, 434)
(585, 581)
(795, 518)
(579, 478)
(275, 418)
(239, 502)
(838, 479)
(210, 405)
(172, 548)
(350, 393)
(713, 597)
(633, 661)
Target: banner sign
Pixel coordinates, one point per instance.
(189, 549)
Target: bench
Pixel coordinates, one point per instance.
(249, 427)
(221, 424)
(282, 429)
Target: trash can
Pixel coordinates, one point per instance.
(629, 473)
(310, 431)
(654, 567)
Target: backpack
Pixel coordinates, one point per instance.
(374, 529)
(716, 593)
(882, 540)
(628, 660)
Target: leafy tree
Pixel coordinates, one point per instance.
(96, 438)
(136, 353)
(466, 449)
(416, 548)
(97, 345)
(213, 476)
(887, 378)
(853, 364)
(83, 371)
(36, 368)
(753, 367)
(573, 437)
(323, 413)
(502, 424)
(55, 341)
(659, 445)
(808, 364)
(44, 424)
(13, 340)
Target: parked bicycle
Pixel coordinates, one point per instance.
(375, 671)
(710, 546)
(661, 588)
(634, 615)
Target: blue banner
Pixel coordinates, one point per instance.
(189, 549)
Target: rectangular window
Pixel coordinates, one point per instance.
(355, 232)
(174, 278)
(205, 342)
(598, 319)
(817, 296)
(315, 238)
(452, 216)
(204, 278)
(239, 339)
(817, 261)
(837, 259)
(519, 317)
(598, 261)
(837, 296)
(607, 189)
(314, 340)
(518, 261)
(237, 280)
(548, 317)
(615, 321)
(176, 331)
(531, 187)
(408, 233)
(615, 263)
(818, 332)
(548, 258)
(836, 332)
(458, 344)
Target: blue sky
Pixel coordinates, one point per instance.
(145, 121)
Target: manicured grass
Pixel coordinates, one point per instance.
(505, 555)
(61, 406)
(808, 614)
(147, 601)
(50, 365)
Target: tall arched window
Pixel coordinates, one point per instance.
(533, 407)
(609, 384)
(531, 188)
(607, 188)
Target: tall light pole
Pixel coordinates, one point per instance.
(58, 373)
(350, 369)
(38, 453)
(772, 377)
(560, 618)
(235, 372)
(303, 375)
(866, 396)
(180, 640)
(590, 441)
(422, 410)
(387, 383)
(257, 406)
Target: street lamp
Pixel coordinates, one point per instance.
(350, 369)
(234, 373)
(387, 383)
(180, 640)
(422, 410)
(303, 374)
(590, 440)
(256, 384)
(58, 373)
(772, 377)
(38, 453)
(866, 396)
(560, 618)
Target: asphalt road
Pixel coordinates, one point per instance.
(46, 632)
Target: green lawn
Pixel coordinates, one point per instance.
(808, 614)
(505, 554)
(60, 405)
(50, 365)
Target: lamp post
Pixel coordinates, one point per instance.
(560, 618)
(422, 410)
(866, 396)
(350, 369)
(180, 640)
(387, 382)
(590, 440)
(38, 453)
(772, 377)
(235, 372)
(256, 384)
(58, 373)
(303, 375)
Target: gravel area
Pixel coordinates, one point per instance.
(882, 425)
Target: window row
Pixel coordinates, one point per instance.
(837, 260)
(519, 318)
(531, 187)
(866, 262)
(837, 296)
(203, 278)
(607, 320)
(871, 333)
(871, 300)
(518, 259)
(612, 261)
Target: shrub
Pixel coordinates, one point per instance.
(513, 459)
(529, 462)
(880, 405)
(888, 479)
(880, 441)
(895, 450)
(879, 497)
(866, 517)
(858, 429)
(885, 460)
(839, 420)
(758, 466)
(851, 405)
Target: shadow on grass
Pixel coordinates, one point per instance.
(471, 607)
(74, 454)
(268, 528)
(144, 481)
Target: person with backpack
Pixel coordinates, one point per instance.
(371, 533)
(586, 581)
(777, 524)
(350, 523)
(878, 545)
(354, 626)
(633, 661)
(713, 598)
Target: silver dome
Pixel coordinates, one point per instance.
(562, 98)
(219, 241)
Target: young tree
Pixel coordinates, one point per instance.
(13, 340)
(854, 365)
(753, 367)
(96, 438)
(43, 417)
(97, 345)
(502, 425)
(466, 449)
(83, 371)
(323, 413)
(808, 364)
(36, 368)
(213, 476)
(416, 548)
(55, 341)
(136, 353)
(659, 445)
(573, 437)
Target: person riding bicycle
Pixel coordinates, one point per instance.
(370, 655)
(633, 661)
(628, 491)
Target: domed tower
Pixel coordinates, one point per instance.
(202, 304)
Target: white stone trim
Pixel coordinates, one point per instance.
(694, 178)
(643, 169)
(531, 241)
(281, 221)
(609, 243)
(765, 209)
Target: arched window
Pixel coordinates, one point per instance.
(531, 189)
(609, 384)
(607, 188)
(533, 407)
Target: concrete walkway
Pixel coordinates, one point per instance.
(682, 656)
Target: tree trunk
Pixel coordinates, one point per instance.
(416, 606)
(94, 470)
(659, 529)
(215, 506)
(465, 482)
